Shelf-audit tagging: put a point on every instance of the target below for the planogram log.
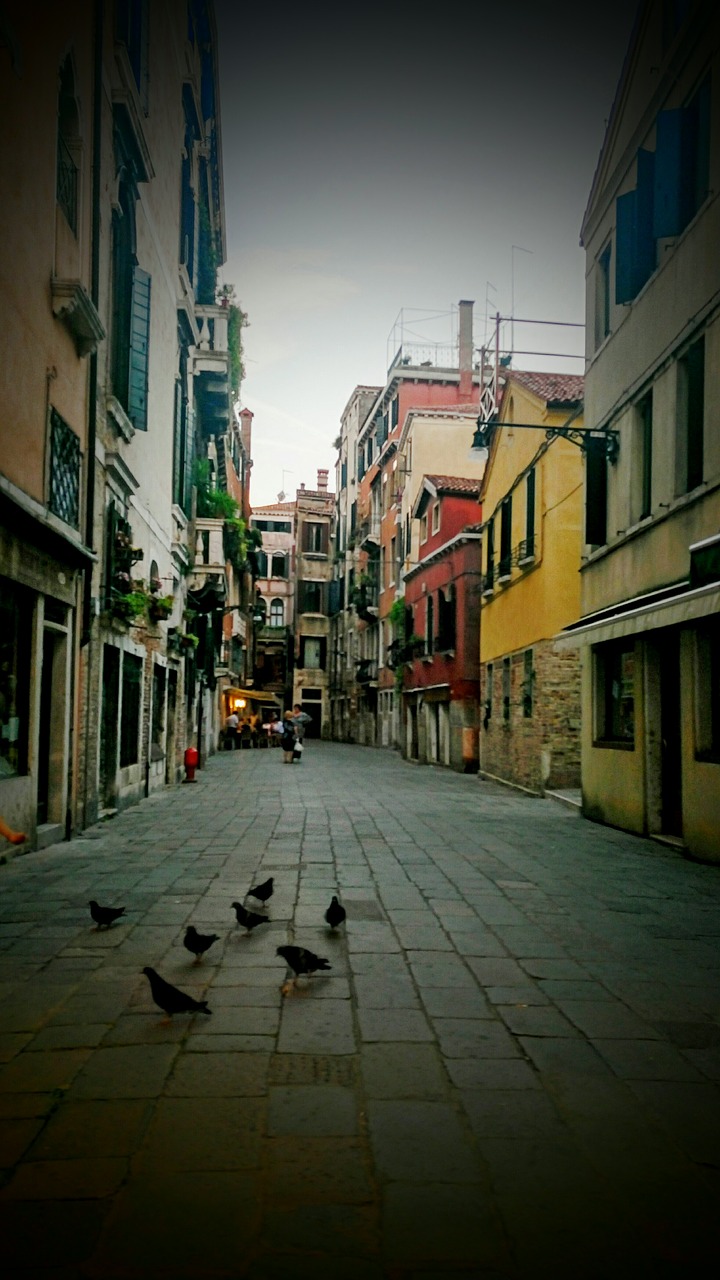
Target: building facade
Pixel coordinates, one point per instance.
(274, 651)
(314, 513)
(437, 658)
(649, 634)
(532, 496)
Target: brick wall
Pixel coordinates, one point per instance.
(540, 751)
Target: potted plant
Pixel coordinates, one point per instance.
(160, 608)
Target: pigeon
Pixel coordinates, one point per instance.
(335, 914)
(198, 943)
(104, 916)
(170, 998)
(262, 892)
(300, 961)
(250, 919)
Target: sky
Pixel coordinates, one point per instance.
(396, 159)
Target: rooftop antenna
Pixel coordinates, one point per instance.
(513, 249)
(282, 494)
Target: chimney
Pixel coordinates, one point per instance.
(465, 343)
(246, 418)
(322, 480)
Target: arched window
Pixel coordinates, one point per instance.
(277, 612)
(68, 146)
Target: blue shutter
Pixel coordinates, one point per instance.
(139, 345)
(667, 213)
(645, 251)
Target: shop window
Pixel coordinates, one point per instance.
(131, 707)
(615, 694)
(15, 648)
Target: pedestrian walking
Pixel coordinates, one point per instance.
(300, 718)
(231, 728)
(287, 741)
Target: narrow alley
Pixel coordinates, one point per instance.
(511, 1069)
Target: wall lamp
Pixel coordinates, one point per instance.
(582, 437)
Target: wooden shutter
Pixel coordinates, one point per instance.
(139, 349)
(667, 211)
(595, 492)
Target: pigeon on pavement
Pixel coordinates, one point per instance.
(250, 919)
(170, 998)
(335, 914)
(262, 892)
(300, 960)
(104, 916)
(198, 943)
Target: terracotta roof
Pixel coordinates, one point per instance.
(272, 506)
(455, 484)
(553, 388)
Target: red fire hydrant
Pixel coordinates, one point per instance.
(191, 762)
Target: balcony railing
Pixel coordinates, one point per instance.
(520, 557)
(367, 671)
(64, 471)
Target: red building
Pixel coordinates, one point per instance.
(442, 620)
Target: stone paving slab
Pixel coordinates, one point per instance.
(511, 1069)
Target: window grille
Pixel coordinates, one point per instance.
(64, 471)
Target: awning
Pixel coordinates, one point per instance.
(253, 695)
(689, 606)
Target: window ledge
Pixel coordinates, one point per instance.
(526, 560)
(503, 578)
(606, 744)
(120, 420)
(488, 592)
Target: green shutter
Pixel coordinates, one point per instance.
(667, 215)
(139, 348)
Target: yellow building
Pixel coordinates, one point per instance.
(532, 509)
(650, 628)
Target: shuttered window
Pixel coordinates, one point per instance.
(595, 492)
(139, 350)
(635, 257)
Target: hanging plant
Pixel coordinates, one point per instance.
(160, 608)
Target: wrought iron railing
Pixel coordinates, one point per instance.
(64, 471)
(67, 182)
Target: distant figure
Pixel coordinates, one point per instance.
(287, 741)
(231, 728)
(300, 719)
(255, 724)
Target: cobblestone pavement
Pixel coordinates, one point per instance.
(510, 1071)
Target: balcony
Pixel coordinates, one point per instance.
(368, 532)
(366, 671)
(211, 365)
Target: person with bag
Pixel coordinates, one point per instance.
(287, 741)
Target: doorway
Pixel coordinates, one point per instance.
(670, 735)
(52, 743)
(109, 726)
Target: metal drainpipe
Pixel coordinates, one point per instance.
(86, 636)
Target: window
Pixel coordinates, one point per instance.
(528, 549)
(132, 22)
(182, 433)
(393, 560)
(395, 410)
(615, 694)
(343, 474)
(446, 619)
(602, 296)
(528, 679)
(429, 624)
(131, 705)
(315, 538)
(311, 596)
(690, 417)
(635, 247)
(130, 314)
(272, 526)
(489, 556)
(158, 710)
(436, 517)
(489, 671)
(424, 528)
(506, 689)
(68, 147)
(261, 564)
(682, 163)
(313, 652)
(64, 498)
(641, 459)
(15, 650)
(279, 566)
(505, 538)
(277, 612)
(707, 691)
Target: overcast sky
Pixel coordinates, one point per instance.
(387, 160)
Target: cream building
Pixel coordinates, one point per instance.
(650, 631)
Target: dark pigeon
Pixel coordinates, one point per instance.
(300, 960)
(198, 943)
(170, 998)
(104, 916)
(250, 919)
(262, 892)
(335, 914)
